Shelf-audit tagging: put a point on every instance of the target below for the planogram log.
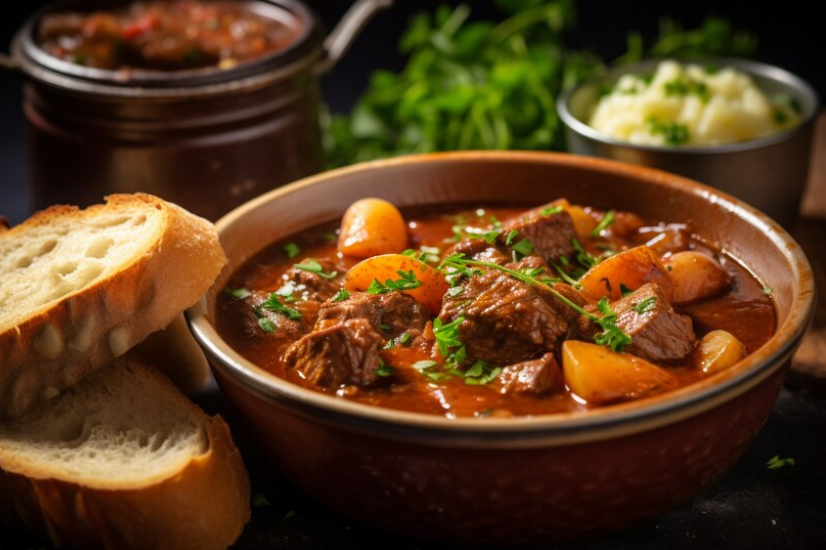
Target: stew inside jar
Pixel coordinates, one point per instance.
(476, 312)
(165, 35)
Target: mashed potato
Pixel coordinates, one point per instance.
(690, 105)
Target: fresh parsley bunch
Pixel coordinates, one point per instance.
(492, 85)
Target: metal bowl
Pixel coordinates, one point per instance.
(770, 173)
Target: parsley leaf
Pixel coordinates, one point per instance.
(273, 303)
(481, 373)
(292, 250)
(776, 462)
(266, 325)
(550, 210)
(237, 293)
(607, 220)
(313, 266)
(447, 335)
(407, 281)
(384, 369)
(646, 305)
(523, 248)
(341, 295)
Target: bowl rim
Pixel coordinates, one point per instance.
(764, 70)
(541, 430)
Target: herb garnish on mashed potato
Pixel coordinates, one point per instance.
(691, 105)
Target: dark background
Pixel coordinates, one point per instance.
(789, 32)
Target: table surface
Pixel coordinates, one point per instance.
(750, 507)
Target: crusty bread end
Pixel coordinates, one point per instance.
(81, 287)
(100, 467)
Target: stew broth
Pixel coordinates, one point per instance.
(745, 310)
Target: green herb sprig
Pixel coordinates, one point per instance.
(312, 266)
(473, 84)
(407, 281)
(273, 303)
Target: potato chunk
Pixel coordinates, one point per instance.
(599, 375)
(627, 270)
(387, 266)
(718, 350)
(695, 276)
(371, 227)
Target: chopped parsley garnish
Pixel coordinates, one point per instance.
(287, 290)
(684, 87)
(385, 327)
(673, 133)
(431, 370)
(565, 276)
(646, 305)
(292, 250)
(329, 237)
(426, 254)
(274, 304)
(341, 295)
(767, 291)
(266, 325)
(606, 220)
(624, 290)
(787, 102)
(455, 291)
(314, 267)
(522, 248)
(550, 210)
(407, 281)
(481, 373)
(384, 369)
(585, 259)
(402, 340)
(776, 462)
(511, 236)
(611, 336)
(447, 335)
(237, 293)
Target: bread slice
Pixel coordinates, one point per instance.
(81, 287)
(120, 461)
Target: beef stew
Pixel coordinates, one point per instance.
(477, 312)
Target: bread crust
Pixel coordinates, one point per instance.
(57, 346)
(200, 504)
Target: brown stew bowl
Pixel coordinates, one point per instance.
(519, 480)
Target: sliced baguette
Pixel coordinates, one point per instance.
(120, 461)
(81, 287)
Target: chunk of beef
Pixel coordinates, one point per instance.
(658, 332)
(537, 377)
(389, 314)
(479, 250)
(285, 328)
(343, 353)
(538, 268)
(506, 320)
(307, 285)
(550, 235)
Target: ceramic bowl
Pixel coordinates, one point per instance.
(519, 480)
